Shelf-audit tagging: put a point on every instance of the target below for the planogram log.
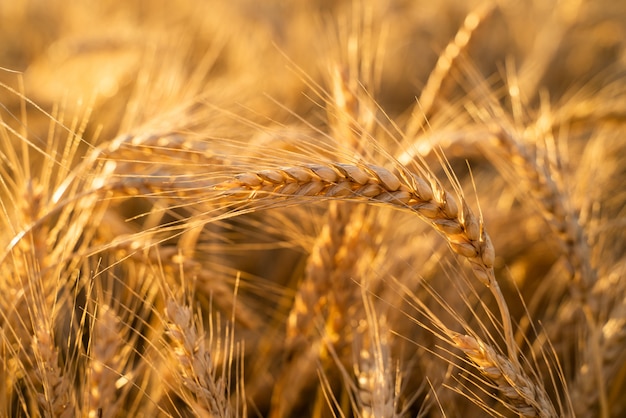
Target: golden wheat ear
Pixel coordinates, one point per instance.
(463, 231)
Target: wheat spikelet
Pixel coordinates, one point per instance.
(600, 365)
(311, 302)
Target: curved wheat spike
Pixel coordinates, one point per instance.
(518, 390)
(602, 359)
(463, 231)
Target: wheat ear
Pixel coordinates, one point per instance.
(56, 399)
(602, 362)
(524, 396)
(464, 232)
(105, 367)
(195, 364)
(314, 296)
(377, 389)
(555, 208)
(424, 106)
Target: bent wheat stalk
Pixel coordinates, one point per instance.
(461, 228)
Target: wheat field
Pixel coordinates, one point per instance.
(359, 208)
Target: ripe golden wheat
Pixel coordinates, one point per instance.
(370, 208)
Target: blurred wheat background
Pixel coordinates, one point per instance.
(369, 208)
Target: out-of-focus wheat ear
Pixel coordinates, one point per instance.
(602, 367)
(107, 351)
(592, 107)
(56, 397)
(302, 346)
(517, 390)
(377, 379)
(354, 263)
(352, 78)
(340, 305)
(541, 185)
(313, 291)
(330, 268)
(314, 300)
(428, 97)
(196, 372)
(351, 115)
(9, 374)
(531, 161)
